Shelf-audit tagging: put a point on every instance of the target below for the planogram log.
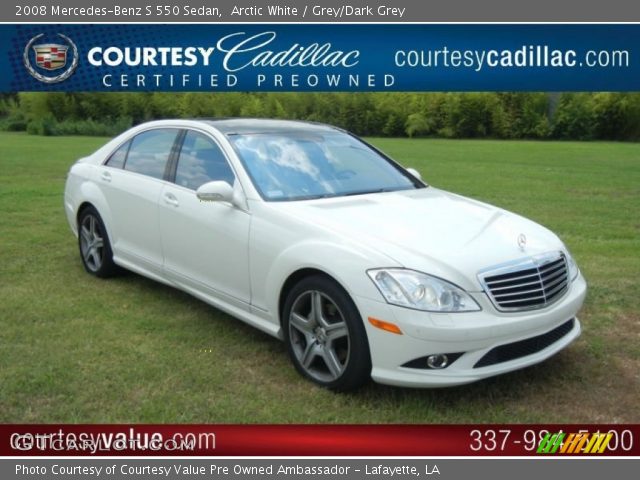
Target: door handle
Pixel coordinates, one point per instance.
(170, 199)
(106, 176)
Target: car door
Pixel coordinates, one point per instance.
(132, 180)
(205, 244)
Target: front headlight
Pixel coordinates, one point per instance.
(408, 288)
(573, 267)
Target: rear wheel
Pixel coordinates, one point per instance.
(325, 336)
(93, 242)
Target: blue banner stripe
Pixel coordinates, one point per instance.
(323, 57)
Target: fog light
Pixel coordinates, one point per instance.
(434, 362)
(437, 361)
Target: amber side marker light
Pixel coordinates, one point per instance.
(386, 326)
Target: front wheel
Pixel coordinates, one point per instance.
(325, 336)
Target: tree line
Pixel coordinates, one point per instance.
(519, 115)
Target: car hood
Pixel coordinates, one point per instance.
(430, 230)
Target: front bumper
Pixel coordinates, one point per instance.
(474, 334)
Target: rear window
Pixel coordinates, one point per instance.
(117, 158)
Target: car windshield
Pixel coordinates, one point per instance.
(307, 165)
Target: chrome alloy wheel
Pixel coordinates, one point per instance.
(91, 243)
(319, 336)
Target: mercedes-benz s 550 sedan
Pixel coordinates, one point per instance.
(313, 236)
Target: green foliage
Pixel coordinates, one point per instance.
(12, 118)
(93, 128)
(617, 116)
(575, 117)
(417, 125)
(48, 126)
(14, 123)
(503, 115)
(44, 125)
(526, 115)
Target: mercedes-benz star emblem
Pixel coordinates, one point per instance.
(522, 241)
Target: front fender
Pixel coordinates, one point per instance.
(344, 263)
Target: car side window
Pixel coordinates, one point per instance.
(117, 158)
(200, 161)
(150, 151)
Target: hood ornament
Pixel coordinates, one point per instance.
(522, 241)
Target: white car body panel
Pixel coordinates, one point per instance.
(133, 200)
(238, 257)
(424, 230)
(205, 245)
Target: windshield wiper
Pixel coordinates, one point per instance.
(366, 192)
(314, 196)
(348, 194)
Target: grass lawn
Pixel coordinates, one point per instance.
(78, 349)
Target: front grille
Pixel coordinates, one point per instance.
(527, 284)
(532, 345)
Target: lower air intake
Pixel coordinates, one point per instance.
(511, 351)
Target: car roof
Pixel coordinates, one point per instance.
(237, 126)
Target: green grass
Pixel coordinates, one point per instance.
(77, 349)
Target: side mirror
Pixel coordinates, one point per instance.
(415, 173)
(215, 192)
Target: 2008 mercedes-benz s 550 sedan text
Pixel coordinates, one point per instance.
(313, 236)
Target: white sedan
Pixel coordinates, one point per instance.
(313, 236)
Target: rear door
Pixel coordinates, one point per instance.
(132, 180)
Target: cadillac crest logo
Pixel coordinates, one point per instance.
(50, 57)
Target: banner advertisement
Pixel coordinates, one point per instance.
(324, 58)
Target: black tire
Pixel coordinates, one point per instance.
(94, 244)
(331, 350)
